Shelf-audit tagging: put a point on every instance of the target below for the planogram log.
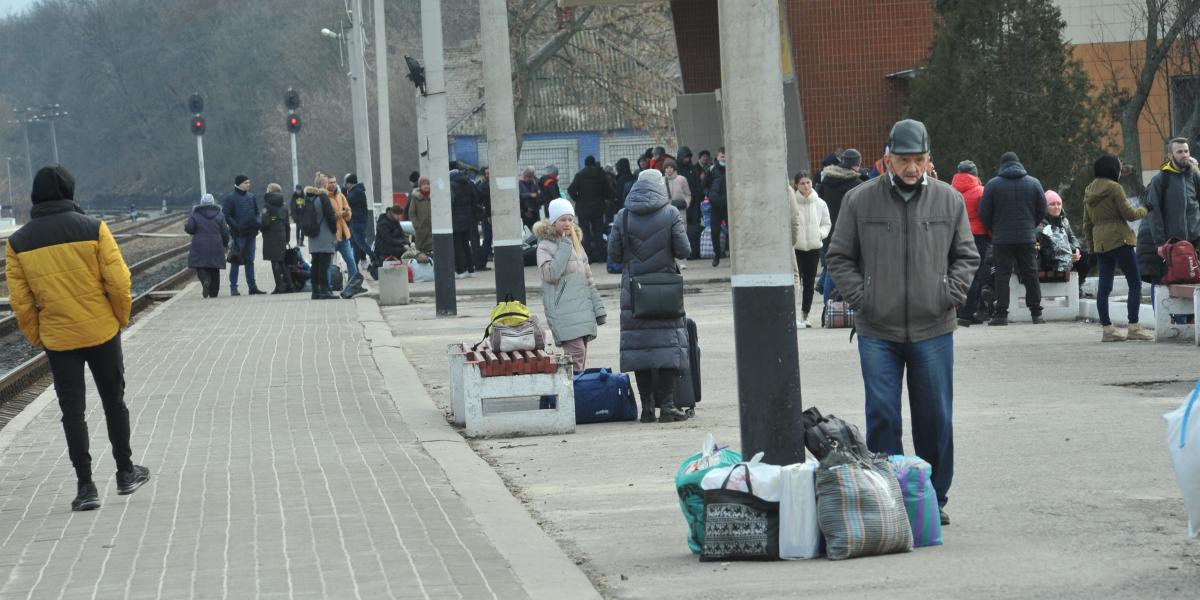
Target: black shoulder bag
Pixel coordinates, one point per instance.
(653, 295)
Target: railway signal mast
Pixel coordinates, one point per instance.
(196, 104)
(291, 101)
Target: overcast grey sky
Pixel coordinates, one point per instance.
(9, 6)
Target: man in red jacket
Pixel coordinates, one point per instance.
(966, 181)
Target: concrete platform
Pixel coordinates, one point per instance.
(292, 457)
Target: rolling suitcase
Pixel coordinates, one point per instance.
(687, 383)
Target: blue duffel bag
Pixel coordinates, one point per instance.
(601, 396)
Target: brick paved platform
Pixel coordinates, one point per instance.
(281, 468)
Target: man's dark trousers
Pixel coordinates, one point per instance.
(983, 243)
(108, 370)
(593, 237)
(1023, 259)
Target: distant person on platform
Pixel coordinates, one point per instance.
(548, 189)
(420, 214)
(591, 191)
(390, 241)
(903, 256)
(356, 197)
(241, 213)
(70, 291)
(837, 179)
(210, 236)
(276, 229)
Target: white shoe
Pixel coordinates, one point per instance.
(807, 323)
(802, 324)
(461, 275)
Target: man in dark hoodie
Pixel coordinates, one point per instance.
(836, 180)
(1012, 208)
(718, 203)
(69, 290)
(463, 208)
(356, 196)
(591, 192)
(390, 241)
(241, 212)
(548, 189)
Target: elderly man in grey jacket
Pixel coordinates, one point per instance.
(903, 257)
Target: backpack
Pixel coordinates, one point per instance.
(1181, 266)
(310, 218)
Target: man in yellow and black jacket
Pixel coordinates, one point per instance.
(70, 291)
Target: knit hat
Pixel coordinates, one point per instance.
(968, 166)
(52, 183)
(1108, 167)
(1009, 157)
(207, 199)
(239, 179)
(560, 207)
(350, 179)
(653, 175)
(851, 158)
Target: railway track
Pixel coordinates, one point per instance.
(14, 383)
(126, 232)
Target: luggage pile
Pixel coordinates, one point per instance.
(843, 502)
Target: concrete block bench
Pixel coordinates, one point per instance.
(1060, 297)
(1179, 300)
(496, 394)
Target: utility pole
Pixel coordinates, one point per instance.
(385, 116)
(22, 117)
(8, 183)
(355, 39)
(291, 103)
(764, 298)
(49, 117)
(439, 157)
(196, 104)
(502, 150)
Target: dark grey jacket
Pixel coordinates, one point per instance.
(903, 266)
(656, 237)
(1173, 214)
(276, 226)
(1013, 205)
(210, 235)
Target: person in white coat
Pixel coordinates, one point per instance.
(810, 225)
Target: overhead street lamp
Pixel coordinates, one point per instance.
(352, 35)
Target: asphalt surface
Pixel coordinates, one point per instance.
(1063, 485)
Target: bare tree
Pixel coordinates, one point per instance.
(1162, 22)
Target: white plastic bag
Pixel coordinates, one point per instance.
(710, 455)
(799, 533)
(1183, 442)
(422, 272)
(764, 479)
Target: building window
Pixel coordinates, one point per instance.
(1185, 102)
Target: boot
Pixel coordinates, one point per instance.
(667, 413)
(1137, 333)
(648, 409)
(1112, 334)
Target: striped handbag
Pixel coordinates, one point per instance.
(860, 507)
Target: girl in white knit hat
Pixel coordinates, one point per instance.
(569, 297)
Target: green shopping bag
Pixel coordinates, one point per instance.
(687, 485)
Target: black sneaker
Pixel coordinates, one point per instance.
(964, 322)
(86, 498)
(129, 481)
(256, 291)
(374, 271)
(945, 518)
(1038, 320)
(234, 293)
(998, 320)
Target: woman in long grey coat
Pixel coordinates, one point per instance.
(321, 245)
(276, 230)
(654, 349)
(210, 236)
(573, 306)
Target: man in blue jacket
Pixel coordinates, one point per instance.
(1012, 208)
(356, 197)
(241, 212)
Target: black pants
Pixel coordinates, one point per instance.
(283, 279)
(807, 260)
(655, 386)
(465, 251)
(1023, 259)
(593, 237)
(715, 217)
(694, 228)
(210, 281)
(319, 269)
(108, 371)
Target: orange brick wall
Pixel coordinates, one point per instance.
(843, 52)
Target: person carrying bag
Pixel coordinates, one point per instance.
(648, 236)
